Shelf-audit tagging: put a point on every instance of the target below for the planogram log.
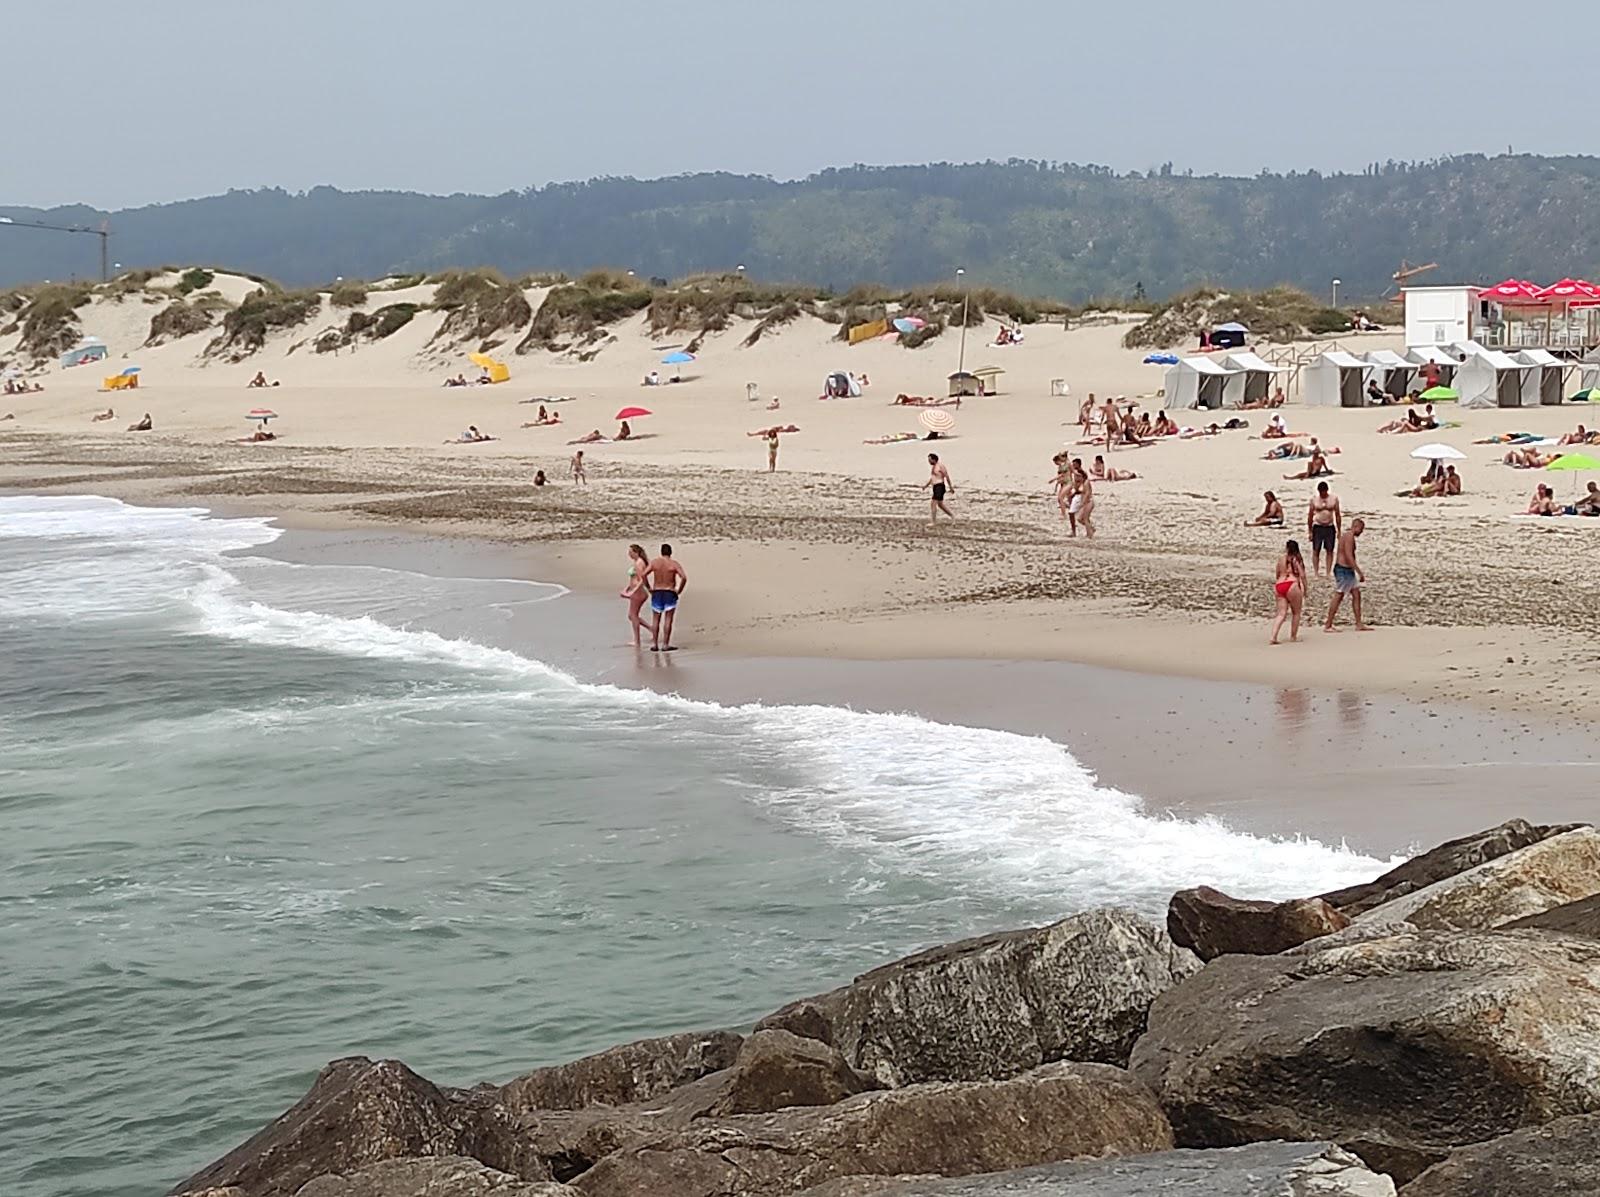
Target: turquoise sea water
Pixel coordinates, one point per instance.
(256, 815)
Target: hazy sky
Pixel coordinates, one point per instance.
(118, 104)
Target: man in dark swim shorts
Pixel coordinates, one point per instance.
(939, 481)
(1324, 522)
(666, 580)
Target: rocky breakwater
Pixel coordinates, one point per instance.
(1438, 1029)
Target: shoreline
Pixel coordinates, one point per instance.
(1336, 765)
(883, 607)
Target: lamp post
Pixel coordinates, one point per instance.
(740, 269)
(1336, 292)
(961, 363)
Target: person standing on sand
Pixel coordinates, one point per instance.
(1085, 501)
(1347, 577)
(636, 592)
(1290, 587)
(667, 582)
(940, 485)
(580, 473)
(1324, 522)
(772, 450)
(1113, 423)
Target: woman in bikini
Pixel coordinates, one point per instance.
(635, 591)
(1099, 472)
(1289, 586)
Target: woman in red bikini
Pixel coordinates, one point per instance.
(1290, 588)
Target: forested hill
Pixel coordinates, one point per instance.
(1068, 232)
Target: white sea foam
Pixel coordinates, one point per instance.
(1014, 813)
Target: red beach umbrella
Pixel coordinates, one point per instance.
(1573, 292)
(632, 413)
(1513, 292)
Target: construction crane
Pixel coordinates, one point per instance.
(103, 232)
(1407, 271)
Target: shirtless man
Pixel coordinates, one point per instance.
(580, 472)
(939, 483)
(1324, 522)
(1347, 577)
(1113, 423)
(1086, 415)
(666, 581)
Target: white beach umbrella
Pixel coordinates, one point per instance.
(1438, 452)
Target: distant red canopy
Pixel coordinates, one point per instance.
(1571, 292)
(1513, 292)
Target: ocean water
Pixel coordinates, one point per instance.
(257, 815)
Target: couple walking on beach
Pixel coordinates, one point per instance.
(660, 581)
(1289, 583)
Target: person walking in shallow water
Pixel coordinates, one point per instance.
(940, 485)
(580, 472)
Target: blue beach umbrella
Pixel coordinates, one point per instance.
(130, 370)
(677, 358)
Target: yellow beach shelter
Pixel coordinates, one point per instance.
(496, 371)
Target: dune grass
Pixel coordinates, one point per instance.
(1279, 314)
(50, 323)
(245, 328)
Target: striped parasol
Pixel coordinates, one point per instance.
(262, 413)
(936, 421)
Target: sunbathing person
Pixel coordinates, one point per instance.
(108, 414)
(1529, 459)
(261, 434)
(1543, 502)
(922, 401)
(1435, 483)
(471, 437)
(1410, 422)
(892, 439)
(543, 419)
(779, 428)
(592, 438)
(260, 380)
(1100, 473)
(1509, 438)
(1589, 502)
(1271, 515)
(1580, 437)
(1163, 426)
(144, 425)
(1317, 467)
(1187, 433)
(1276, 428)
(624, 432)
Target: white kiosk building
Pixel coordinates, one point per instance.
(1440, 315)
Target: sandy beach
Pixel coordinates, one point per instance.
(833, 556)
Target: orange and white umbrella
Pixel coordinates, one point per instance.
(936, 421)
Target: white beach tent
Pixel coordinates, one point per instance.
(1491, 379)
(1196, 382)
(1465, 349)
(1335, 379)
(1422, 355)
(1589, 372)
(1542, 384)
(1394, 373)
(1252, 383)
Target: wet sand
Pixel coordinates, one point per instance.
(1383, 774)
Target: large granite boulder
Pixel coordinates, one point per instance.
(358, 1112)
(1573, 918)
(437, 1176)
(1257, 1170)
(1448, 859)
(1210, 923)
(998, 1005)
(774, 1069)
(1559, 869)
(1060, 1111)
(621, 1075)
(1559, 1159)
(1400, 1049)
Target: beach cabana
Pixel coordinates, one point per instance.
(1336, 379)
(1425, 355)
(988, 379)
(1491, 379)
(1394, 373)
(1542, 383)
(1252, 383)
(964, 384)
(1197, 382)
(1465, 349)
(90, 349)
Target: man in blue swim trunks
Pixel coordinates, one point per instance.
(1347, 577)
(666, 580)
